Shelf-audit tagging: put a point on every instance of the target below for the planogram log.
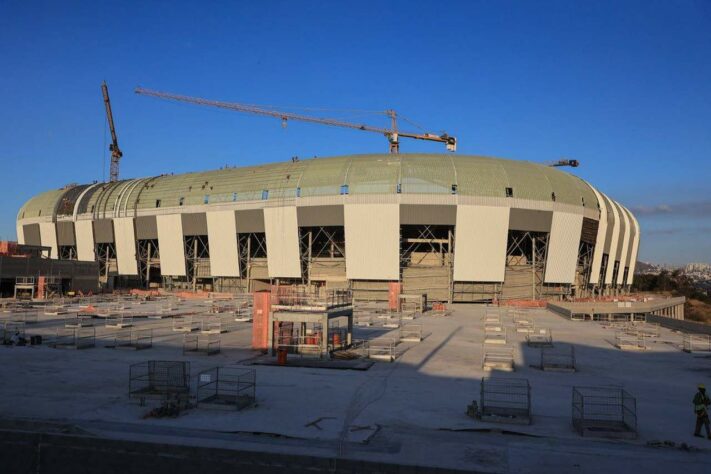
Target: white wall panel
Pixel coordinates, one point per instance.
(20, 233)
(624, 243)
(599, 241)
(282, 232)
(170, 244)
(563, 247)
(634, 251)
(481, 235)
(615, 235)
(125, 235)
(84, 231)
(48, 237)
(222, 235)
(372, 241)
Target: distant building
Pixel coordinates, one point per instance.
(459, 228)
(27, 271)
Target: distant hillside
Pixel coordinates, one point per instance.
(642, 267)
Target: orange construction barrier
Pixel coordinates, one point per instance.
(260, 320)
(394, 290)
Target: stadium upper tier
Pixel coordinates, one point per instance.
(428, 174)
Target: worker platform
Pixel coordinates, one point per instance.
(310, 323)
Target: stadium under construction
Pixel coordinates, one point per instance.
(457, 228)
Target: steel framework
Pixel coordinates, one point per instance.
(148, 255)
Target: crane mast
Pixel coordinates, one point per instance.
(116, 153)
(392, 134)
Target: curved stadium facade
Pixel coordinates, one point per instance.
(459, 228)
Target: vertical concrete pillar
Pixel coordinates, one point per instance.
(324, 333)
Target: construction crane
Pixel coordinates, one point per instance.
(563, 162)
(116, 153)
(393, 134)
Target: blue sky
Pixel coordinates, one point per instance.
(624, 87)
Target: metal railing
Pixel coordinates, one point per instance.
(600, 409)
(540, 337)
(495, 337)
(506, 400)
(558, 359)
(696, 343)
(630, 341)
(119, 322)
(133, 338)
(75, 338)
(203, 344)
(381, 349)
(297, 296)
(163, 380)
(497, 358)
(411, 333)
(224, 387)
(184, 324)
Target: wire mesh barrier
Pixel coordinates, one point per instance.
(243, 314)
(411, 333)
(381, 349)
(184, 324)
(160, 380)
(75, 338)
(696, 343)
(228, 388)
(78, 320)
(505, 400)
(497, 358)
(647, 329)
(540, 337)
(27, 317)
(134, 339)
(55, 309)
(201, 344)
(493, 326)
(604, 411)
(119, 322)
(630, 341)
(13, 332)
(520, 316)
(559, 359)
(110, 310)
(524, 326)
(492, 316)
(168, 305)
(495, 337)
(212, 325)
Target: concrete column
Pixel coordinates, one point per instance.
(324, 333)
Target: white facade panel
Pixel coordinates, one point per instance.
(170, 244)
(614, 239)
(563, 247)
(282, 232)
(599, 240)
(372, 241)
(84, 231)
(222, 235)
(624, 243)
(20, 233)
(481, 235)
(635, 250)
(48, 237)
(125, 237)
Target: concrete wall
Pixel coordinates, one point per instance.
(23, 451)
